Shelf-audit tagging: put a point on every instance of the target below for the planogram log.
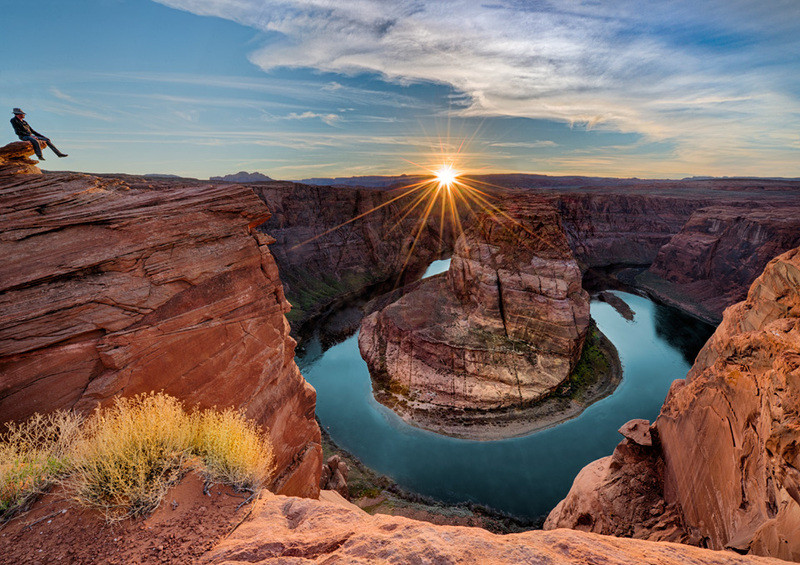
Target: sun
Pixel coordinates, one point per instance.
(446, 175)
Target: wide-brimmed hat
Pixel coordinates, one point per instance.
(17, 111)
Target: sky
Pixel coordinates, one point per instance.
(320, 88)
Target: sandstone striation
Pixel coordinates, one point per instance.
(718, 253)
(293, 530)
(503, 328)
(115, 286)
(336, 244)
(15, 159)
(611, 227)
(725, 456)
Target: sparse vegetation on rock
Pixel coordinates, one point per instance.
(124, 458)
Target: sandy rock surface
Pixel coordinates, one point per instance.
(292, 530)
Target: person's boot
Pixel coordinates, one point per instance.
(62, 154)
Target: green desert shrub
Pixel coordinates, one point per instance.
(33, 455)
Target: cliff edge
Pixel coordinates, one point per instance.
(121, 285)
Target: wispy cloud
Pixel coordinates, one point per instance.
(713, 77)
(330, 119)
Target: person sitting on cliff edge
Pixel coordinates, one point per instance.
(27, 133)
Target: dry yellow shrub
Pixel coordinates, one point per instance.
(32, 456)
(233, 449)
(129, 454)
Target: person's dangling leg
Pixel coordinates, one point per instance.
(33, 140)
(53, 147)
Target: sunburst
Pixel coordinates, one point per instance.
(446, 188)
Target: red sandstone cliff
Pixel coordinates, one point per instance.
(718, 253)
(123, 285)
(726, 451)
(504, 327)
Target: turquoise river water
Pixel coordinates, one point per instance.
(524, 476)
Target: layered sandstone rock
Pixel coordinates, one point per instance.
(293, 530)
(728, 437)
(614, 227)
(15, 159)
(334, 244)
(609, 222)
(718, 253)
(503, 328)
(115, 286)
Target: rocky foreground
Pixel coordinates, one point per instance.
(294, 530)
(502, 329)
(720, 467)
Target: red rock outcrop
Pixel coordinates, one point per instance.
(727, 441)
(122, 285)
(503, 328)
(718, 253)
(15, 159)
(293, 530)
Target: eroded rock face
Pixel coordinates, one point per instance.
(718, 253)
(736, 419)
(333, 244)
(293, 530)
(115, 286)
(622, 227)
(15, 159)
(503, 328)
(727, 441)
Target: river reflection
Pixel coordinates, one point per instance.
(523, 476)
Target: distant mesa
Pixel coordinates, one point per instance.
(243, 176)
(161, 176)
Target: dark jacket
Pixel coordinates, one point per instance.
(22, 129)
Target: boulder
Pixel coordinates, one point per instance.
(15, 159)
(638, 431)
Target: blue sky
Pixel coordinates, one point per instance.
(307, 88)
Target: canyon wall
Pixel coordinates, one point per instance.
(503, 328)
(613, 227)
(718, 253)
(123, 285)
(334, 244)
(609, 222)
(725, 453)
